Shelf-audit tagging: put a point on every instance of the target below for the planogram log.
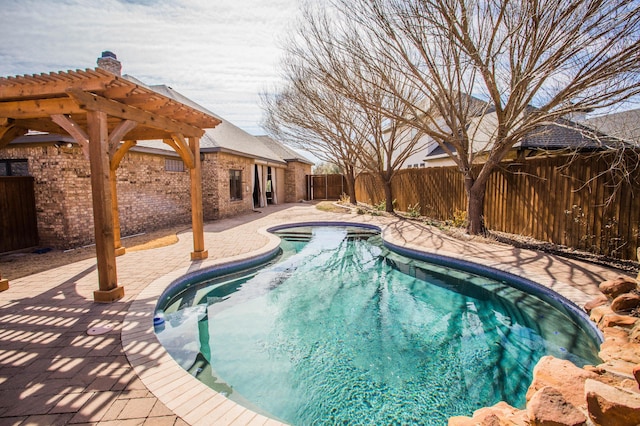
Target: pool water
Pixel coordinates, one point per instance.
(341, 330)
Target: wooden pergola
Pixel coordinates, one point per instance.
(106, 114)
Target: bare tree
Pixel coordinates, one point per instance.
(321, 51)
(531, 62)
(307, 115)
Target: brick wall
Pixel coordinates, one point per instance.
(295, 177)
(149, 197)
(215, 180)
(62, 186)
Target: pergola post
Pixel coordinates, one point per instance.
(4, 283)
(117, 242)
(97, 131)
(116, 154)
(195, 174)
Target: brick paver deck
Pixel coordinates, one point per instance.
(52, 372)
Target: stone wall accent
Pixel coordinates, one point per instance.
(217, 202)
(296, 183)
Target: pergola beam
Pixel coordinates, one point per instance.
(118, 133)
(39, 108)
(9, 132)
(39, 90)
(74, 130)
(180, 145)
(91, 102)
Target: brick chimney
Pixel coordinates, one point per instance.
(109, 62)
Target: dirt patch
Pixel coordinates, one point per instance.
(27, 262)
(332, 207)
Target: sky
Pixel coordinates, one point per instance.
(220, 53)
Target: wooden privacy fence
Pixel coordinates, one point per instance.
(580, 204)
(325, 187)
(18, 225)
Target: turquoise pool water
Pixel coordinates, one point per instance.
(339, 329)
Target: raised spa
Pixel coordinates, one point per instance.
(339, 328)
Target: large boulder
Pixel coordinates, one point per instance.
(625, 302)
(610, 405)
(562, 375)
(548, 407)
(614, 288)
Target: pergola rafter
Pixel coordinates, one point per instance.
(99, 110)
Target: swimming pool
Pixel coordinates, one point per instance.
(339, 328)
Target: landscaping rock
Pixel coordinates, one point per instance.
(501, 414)
(599, 312)
(618, 334)
(618, 320)
(598, 301)
(611, 406)
(548, 407)
(562, 375)
(629, 352)
(634, 334)
(625, 302)
(618, 367)
(636, 374)
(630, 385)
(621, 284)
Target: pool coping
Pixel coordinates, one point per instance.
(195, 402)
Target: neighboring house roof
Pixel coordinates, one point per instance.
(624, 125)
(565, 134)
(560, 135)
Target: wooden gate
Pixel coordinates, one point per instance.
(18, 225)
(325, 187)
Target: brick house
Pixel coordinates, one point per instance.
(240, 172)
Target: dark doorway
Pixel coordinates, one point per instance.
(18, 224)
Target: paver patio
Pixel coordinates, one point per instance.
(52, 372)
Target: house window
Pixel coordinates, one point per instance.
(235, 184)
(172, 165)
(14, 168)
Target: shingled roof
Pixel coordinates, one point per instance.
(227, 137)
(624, 125)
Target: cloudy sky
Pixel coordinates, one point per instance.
(220, 53)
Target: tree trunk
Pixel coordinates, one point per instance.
(351, 186)
(475, 205)
(388, 197)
